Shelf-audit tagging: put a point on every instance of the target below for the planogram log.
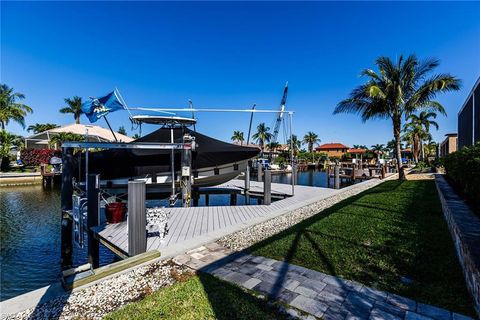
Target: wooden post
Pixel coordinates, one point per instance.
(259, 172)
(383, 171)
(66, 204)
(233, 199)
(336, 177)
(328, 176)
(137, 219)
(294, 177)
(207, 199)
(247, 178)
(186, 170)
(93, 218)
(195, 197)
(267, 188)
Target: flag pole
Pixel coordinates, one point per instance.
(108, 123)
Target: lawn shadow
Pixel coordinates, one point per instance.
(230, 301)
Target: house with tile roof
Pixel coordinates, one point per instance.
(332, 149)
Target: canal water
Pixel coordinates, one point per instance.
(30, 233)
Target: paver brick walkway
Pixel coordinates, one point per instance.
(314, 293)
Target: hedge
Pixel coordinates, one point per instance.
(463, 169)
(35, 157)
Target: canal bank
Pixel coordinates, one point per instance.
(8, 179)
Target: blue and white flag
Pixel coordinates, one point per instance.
(100, 107)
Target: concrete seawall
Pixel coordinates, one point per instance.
(464, 227)
(20, 178)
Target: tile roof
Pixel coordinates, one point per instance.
(332, 146)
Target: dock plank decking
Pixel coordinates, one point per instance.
(192, 227)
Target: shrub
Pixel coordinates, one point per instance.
(463, 169)
(35, 157)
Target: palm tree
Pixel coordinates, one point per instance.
(391, 147)
(74, 106)
(238, 136)
(41, 127)
(273, 146)
(359, 146)
(377, 149)
(122, 130)
(398, 90)
(57, 140)
(6, 140)
(430, 148)
(10, 109)
(311, 139)
(295, 143)
(263, 135)
(423, 122)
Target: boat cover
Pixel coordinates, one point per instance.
(121, 163)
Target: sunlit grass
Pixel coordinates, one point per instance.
(392, 231)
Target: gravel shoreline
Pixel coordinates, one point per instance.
(247, 237)
(96, 301)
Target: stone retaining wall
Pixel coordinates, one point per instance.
(464, 226)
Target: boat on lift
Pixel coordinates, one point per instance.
(213, 161)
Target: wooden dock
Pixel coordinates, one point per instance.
(192, 227)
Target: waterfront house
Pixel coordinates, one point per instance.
(448, 145)
(469, 118)
(332, 149)
(41, 140)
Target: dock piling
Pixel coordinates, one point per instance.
(233, 199)
(294, 177)
(247, 178)
(137, 220)
(186, 171)
(259, 172)
(336, 177)
(66, 204)
(93, 218)
(267, 187)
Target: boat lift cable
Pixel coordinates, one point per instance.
(250, 125)
(190, 103)
(210, 110)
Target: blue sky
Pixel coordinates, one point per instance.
(233, 54)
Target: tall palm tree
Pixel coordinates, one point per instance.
(57, 140)
(359, 146)
(398, 90)
(122, 130)
(41, 127)
(263, 135)
(431, 147)
(295, 144)
(74, 107)
(391, 147)
(423, 122)
(10, 109)
(273, 146)
(238, 136)
(310, 139)
(377, 149)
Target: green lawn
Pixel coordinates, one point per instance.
(391, 231)
(200, 297)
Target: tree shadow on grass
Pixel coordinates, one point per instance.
(229, 301)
